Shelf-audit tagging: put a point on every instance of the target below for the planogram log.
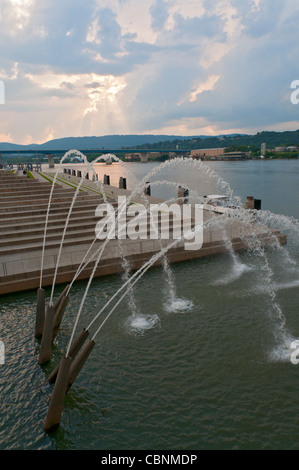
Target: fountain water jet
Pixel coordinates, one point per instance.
(40, 296)
(144, 182)
(86, 350)
(238, 268)
(137, 190)
(198, 165)
(100, 251)
(80, 358)
(66, 155)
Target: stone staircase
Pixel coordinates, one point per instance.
(23, 209)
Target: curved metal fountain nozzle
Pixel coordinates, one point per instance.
(79, 362)
(75, 348)
(57, 399)
(46, 343)
(63, 294)
(59, 314)
(40, 313)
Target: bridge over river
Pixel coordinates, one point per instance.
(31, 152)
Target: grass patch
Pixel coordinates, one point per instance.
(61, 181)
(69, 184)
(87, 188)
(109, 196)
(46, 178)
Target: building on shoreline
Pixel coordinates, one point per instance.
(218, 154)
(233, 156)
(146, 156)
(133, 157)
(204, 154)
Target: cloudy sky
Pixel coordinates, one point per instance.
(183, 67)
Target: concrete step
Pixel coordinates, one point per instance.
(50, 245)
(78, 214)
(41, 198)
(52, 235)
(60, 191)
(39, 192)
(79, 206)
(24, 228)
(35, 232)
(43, 205)
(22, 187)
(12, 189)
(17, 179)
(33, 189)
(23, 182)
(19, 228)
(36, 194)
(74, 233)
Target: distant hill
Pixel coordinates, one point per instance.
(9, 146)
(272, 139)
(162, 142)
(95, 143)
(99, 143)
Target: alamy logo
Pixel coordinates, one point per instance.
(295, 94)
(2, 353)
(137, 222)
(295, 354)
(2, 92)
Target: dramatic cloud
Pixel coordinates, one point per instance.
(75, 67)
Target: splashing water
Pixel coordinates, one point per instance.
(66, 155)
(139, 324)
(265, 273)
(276, 286)
(282, 352)
(138, 190)
(177, 305)
(238, 268)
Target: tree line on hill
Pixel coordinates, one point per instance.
(244, 143)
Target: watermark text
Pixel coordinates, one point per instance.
(295, 353)
(295, 94)
(157, 221)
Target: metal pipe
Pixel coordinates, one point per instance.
(57, 399)
(59, 314)
(79, 362)
(40, 312)
(75, 348)
(46, 343)
(58, 301)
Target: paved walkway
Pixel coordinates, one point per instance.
(92, 187)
